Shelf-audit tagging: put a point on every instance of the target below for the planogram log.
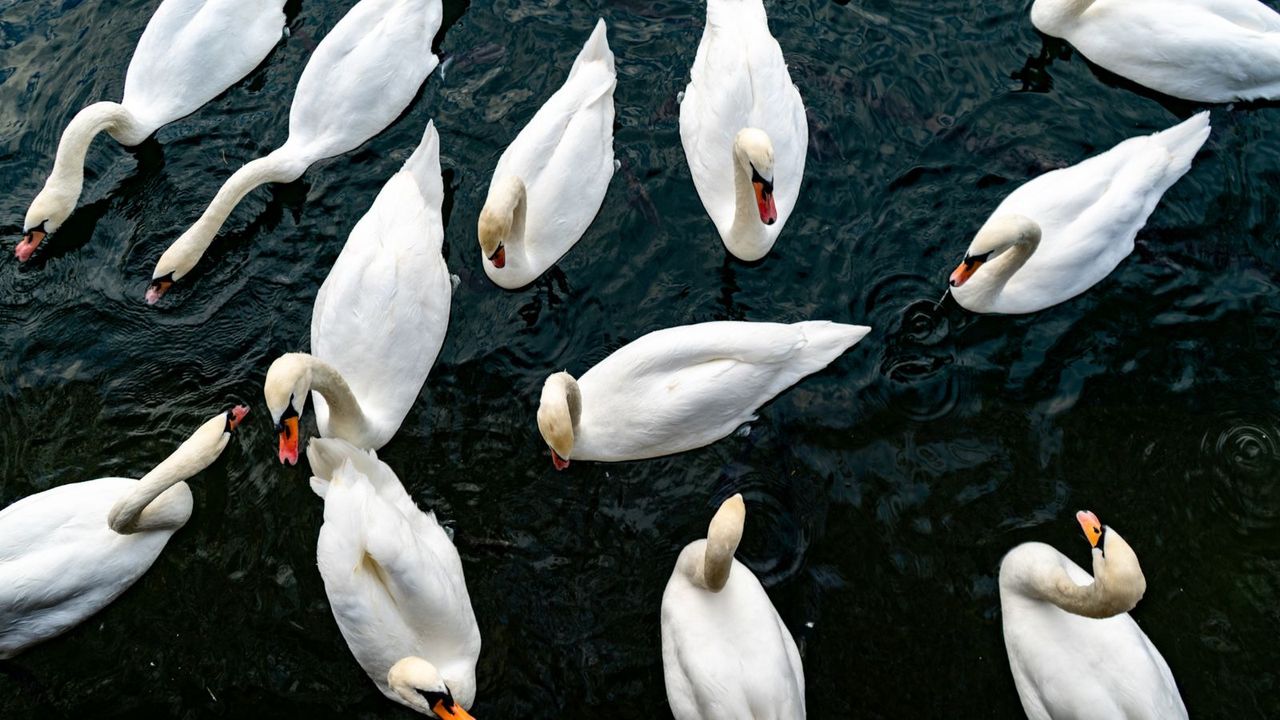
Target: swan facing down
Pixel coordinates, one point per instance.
(681, 388)
(1073, 649)
(1201, 50)
(395, 583)
(189, 53)
(549, 184)
(68, 552)
(1063, 232)
(363, 74)
(743, 127)
(726, 653)
(379, 320)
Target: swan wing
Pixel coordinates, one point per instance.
(193, 50)
(381, 315)
(363, 74)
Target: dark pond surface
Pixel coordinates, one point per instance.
(881, 493)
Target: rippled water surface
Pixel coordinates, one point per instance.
(881, 493)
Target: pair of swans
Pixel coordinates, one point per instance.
(682, 388)
(1063, 232)
(1073, 648)
(189, 53)
(68, 552)
(387, 298)
(363, 74)
(1213, 51)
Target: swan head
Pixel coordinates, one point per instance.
(48, 211)
(559, 411)
(1116, 571)
(286, 387)
(419, 685)
(997, 236)
(753, 150)
(173, 265)
(498, 218)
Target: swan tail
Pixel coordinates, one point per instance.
(424, 165)
(328, 456)
(1183, 141)
(596, 50)
(826, 340)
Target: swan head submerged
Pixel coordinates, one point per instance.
(1116, 572)
(997, 236)
(559, 411)
(48, 211)
(419, 685)
(498, 218)
(285, 389)
(753, 151)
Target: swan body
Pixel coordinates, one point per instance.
(189, 53)
(726, 654)
(393, 577)
(681, 388)
(749, 185)
(379, 320)
(1063, 232)
(363, 74)
(550, 182)
(1073, 648)
(1213, 51)
(70, 551)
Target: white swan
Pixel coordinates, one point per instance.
(726, 654)
(395, 583)
(1203, 50)
(1063, 232)
(379, 320)
(681, 388)
(189, 53)
(68, 552)
(743, 127)
(1073, 649)
(550, 182)
(363, 74)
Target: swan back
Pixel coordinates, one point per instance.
(363, 74)
(393, 577)
(381, 315)
(193, 50)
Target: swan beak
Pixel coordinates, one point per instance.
(451, 713)
(965, 271)
(499, 257)
(764, 200)
(158, 288)
(1091, 526)
(558, 461)
(288, 432)
(30, 241)
(236, 416)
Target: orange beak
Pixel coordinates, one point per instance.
(237, 416)
(29, 243)
(499, 257)
(454, 713)
(288, 431)
(558, 461)
(1091, 526)
(764, 201)
(965, 271)
(158, 288)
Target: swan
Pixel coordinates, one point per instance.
(189, 53)
(1212, 51)
(1063, 232)
(551, 181)
(395, 583)
(1073, 649)
(379, 320)
(743, 127)
(68, 552)
(363, 74)
(726, 653)
(681, 388)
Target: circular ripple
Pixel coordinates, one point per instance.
(1245, 458)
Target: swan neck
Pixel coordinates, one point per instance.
(146, 507)
(347, 419)
(747, 234)
(991, 279)
(1117, 586)
(73, 147)
(512, 202)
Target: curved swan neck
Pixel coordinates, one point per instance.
(139, 511)
(991, 278)
(503, 215)
(346, 418)
(1118, 583)
(747, 232)
(723, 536)
(68, 165)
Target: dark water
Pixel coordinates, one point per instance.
(881, 493)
